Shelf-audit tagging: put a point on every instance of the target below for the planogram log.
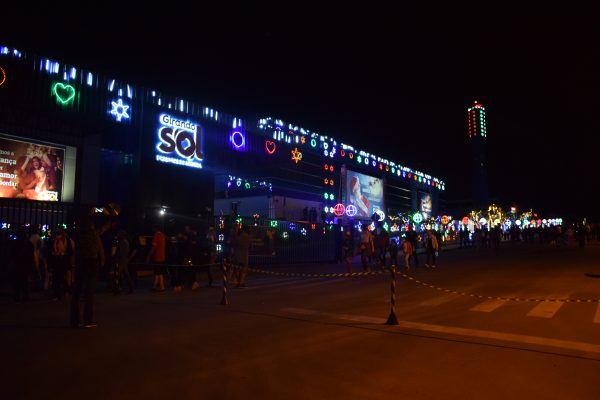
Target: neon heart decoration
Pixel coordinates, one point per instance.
(270, 147)
(64, 93)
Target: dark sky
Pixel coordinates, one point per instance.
(397, 84)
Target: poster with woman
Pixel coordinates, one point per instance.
(365, 193)
(30, 170)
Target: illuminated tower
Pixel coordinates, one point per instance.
(477, 136)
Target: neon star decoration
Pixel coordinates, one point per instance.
(64, 93)
(2, 76)
(296, 155)
(119, 110)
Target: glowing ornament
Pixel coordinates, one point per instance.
(64, 93)
(417, 217)
(296, 155)
(119, 110)
(270, 147)
(339, 209)
(351, 210)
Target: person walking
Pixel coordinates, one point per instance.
(411, 236)
(241, 255)
(122, 263)
(431, 248)
(348, 250)
(22, 258)
(366, 247)
(210, 251)
(393, 252)
(59, 262)
(89, 258)
(407, 249)
(158, 256)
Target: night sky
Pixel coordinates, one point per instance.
(395, 84)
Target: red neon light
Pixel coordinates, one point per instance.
(342, 153)
(339, 209)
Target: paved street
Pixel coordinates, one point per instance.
(473, 328)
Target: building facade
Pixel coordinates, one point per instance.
(70, 136)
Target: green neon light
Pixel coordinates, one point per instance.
(313, 142)
(64, 93)
(247, 185)
(273, 224)
(417, 218)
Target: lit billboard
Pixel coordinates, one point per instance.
(36, 171)
(365, 193)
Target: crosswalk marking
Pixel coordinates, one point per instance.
(597, 316)
(547, 309)
(509, 337)
(489, 305)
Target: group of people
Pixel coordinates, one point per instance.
(184, 257)
(71, 263)
(376, 247)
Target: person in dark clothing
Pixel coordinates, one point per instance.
(60, 257)
(431, 248)
(89, 258)
(348, 250)
(121, 263)
(23, 265)
(411, 236)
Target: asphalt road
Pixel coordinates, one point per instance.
(316, 338)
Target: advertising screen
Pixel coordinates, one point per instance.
(365, 193)
(33, 171)
(425, 204)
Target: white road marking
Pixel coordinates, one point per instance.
(508, 337)
(489, 305)
(547, 309)
(597, 316)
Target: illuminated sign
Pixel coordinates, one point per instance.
(417, 218)
(119, 110)
(64, 93)
(445, 219)
(270, 147)
(351, 210)
(296, 155)
(179, 142)
(238, 141)
(339, 209)
(2, 76)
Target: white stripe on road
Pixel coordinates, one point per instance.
(489, 305)
(597, 316)
(547, 309)
(508, 337)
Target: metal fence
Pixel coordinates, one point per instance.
(286, 242)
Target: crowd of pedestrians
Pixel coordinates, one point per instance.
(69, 264)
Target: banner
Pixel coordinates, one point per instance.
(30, 170)
(365, 193)
(425, 206)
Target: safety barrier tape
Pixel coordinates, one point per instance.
(417, 281)
(413, 279)
(311, 275)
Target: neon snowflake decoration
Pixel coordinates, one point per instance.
(119, 110)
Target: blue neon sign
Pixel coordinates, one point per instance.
(179, 142)
(119, 110)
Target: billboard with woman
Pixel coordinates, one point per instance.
(30, 170)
